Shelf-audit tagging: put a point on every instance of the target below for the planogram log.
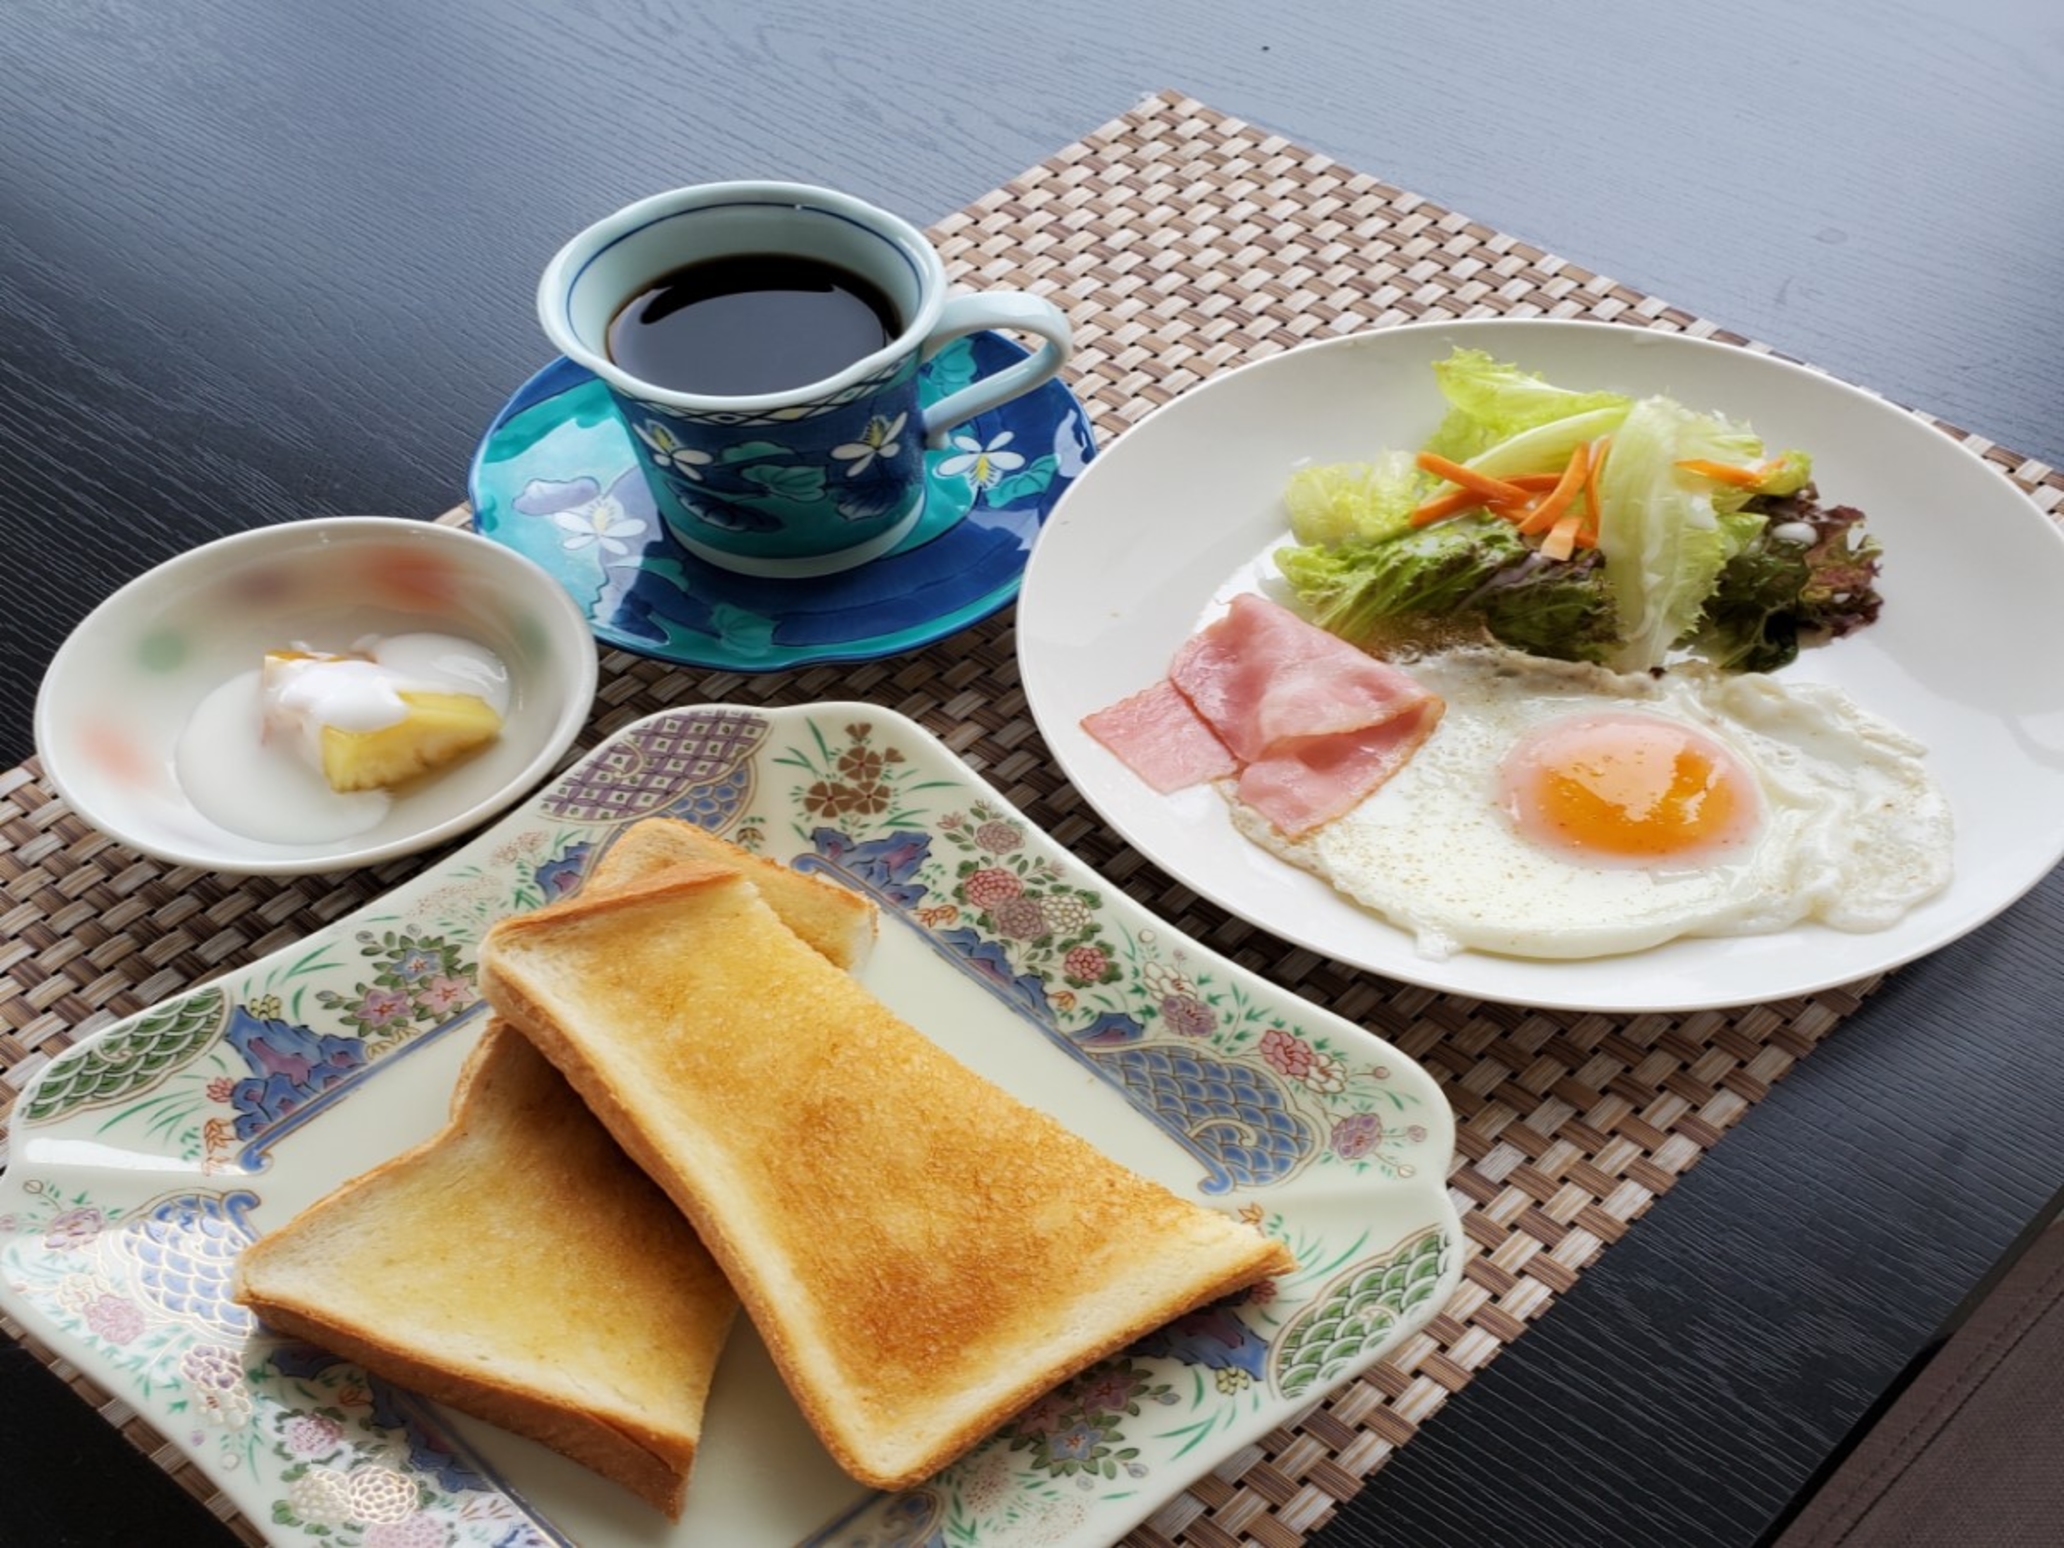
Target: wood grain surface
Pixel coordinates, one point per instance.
(263, 261)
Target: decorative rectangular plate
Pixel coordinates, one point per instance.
(146, 1158)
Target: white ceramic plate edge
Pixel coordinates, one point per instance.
(1140, 552)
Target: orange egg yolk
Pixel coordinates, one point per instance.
(1629, 788)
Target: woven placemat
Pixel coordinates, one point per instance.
(1180, 242)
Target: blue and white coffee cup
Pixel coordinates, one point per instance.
(821, 477)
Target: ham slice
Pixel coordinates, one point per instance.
(1307, 724)
(1310, 780)
(1162, 739)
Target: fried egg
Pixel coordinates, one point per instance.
(1567, 811)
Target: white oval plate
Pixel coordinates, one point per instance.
(1176, 516)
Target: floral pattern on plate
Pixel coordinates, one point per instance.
(145, 1157)
(339, 1456)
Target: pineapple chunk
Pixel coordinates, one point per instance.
(438, 729)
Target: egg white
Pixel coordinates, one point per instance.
(1855, 832)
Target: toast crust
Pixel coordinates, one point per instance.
(840, 923)
(566, 1258)
(923, 1254)
(566, 1238)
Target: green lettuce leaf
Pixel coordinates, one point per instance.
(1546, 448)
(1659, 525)
(1808, 570)
(1788, 473)
(1490, 401)
(1341, 502)
(1559, 608)
(1682, 560)
(1751, 621)
(1434, 585)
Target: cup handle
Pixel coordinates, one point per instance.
(1011, 309)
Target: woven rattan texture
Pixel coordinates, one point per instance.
(1181, 242)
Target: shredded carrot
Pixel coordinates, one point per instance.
(1549, 510)
(1723, 472)
(1562, 538)
(1493, 490)
(1564, 503)
(1587, 534)
(1441, 507)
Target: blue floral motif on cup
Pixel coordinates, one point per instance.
(853, 463)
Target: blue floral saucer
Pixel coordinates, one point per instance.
(556, 478)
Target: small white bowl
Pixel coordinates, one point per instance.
(121, 691)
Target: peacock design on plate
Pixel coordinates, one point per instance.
(178, 1256)
(1361, 1307)
(127, 1061)
(1231, 1116)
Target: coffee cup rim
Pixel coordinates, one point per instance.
(555, 287)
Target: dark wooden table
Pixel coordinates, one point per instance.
(261, 261)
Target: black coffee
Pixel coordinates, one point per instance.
(751, 323)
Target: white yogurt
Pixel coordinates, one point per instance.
(270, 787)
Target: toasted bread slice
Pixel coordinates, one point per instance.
(519, 1267)
(578, 1307)
(838, 922)
(922, 1253)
